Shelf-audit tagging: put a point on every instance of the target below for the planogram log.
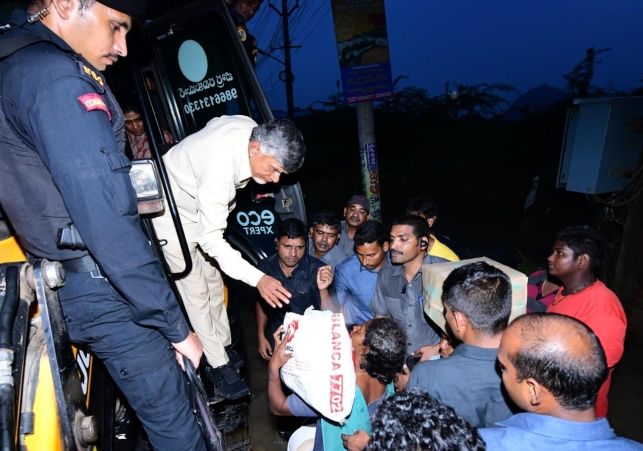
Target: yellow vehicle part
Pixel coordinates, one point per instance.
(84, 363)
(10, 251)
(46, 434)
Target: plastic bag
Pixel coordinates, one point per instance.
(321, 372)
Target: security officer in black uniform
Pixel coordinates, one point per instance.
(242, 11)
(61, 163)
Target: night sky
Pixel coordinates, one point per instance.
(518, 42)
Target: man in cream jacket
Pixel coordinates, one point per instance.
(205, 170)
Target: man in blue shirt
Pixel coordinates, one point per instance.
(306, 278)
(356, 277)
(322, 239)
(552, 367)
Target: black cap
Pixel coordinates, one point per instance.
(360, 200)
(131, 7)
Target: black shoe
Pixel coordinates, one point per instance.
(235, 361)
(227, 382)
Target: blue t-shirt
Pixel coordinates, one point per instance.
(355, 288)
(534, 432)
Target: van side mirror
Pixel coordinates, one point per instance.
(145, 180)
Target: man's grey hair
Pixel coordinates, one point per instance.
(280, 139)
(84, 5)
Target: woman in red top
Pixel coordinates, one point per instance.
(578, 253)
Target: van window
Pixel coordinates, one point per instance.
(203, 72)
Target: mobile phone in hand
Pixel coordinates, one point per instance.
(412, 360)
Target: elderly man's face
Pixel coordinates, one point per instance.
(264, 169)
(518, 391)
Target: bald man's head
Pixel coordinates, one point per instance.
(560, 353)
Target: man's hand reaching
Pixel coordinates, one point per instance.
(427, 352)
(273, 292)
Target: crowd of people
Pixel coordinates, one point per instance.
(555, 364)
(483, 383)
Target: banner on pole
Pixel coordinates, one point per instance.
(362, 47)
(371, 179)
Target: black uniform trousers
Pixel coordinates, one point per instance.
(140, 360)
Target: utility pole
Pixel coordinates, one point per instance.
(368, 157)
(357, 23)
(286, 75)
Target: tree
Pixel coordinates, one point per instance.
(482, 99)
(638, 90)
(580, 78)
(334, 102)
(410, 100)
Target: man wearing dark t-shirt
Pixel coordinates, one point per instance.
(304, 276)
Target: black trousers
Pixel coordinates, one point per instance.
(140, 360)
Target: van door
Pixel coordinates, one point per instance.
(192, 65)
